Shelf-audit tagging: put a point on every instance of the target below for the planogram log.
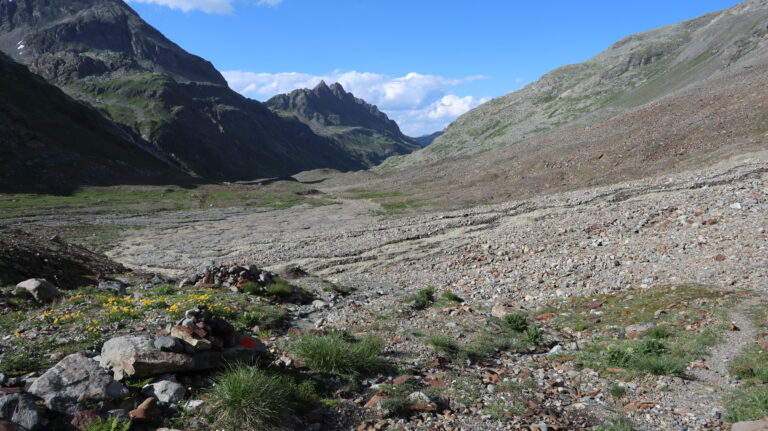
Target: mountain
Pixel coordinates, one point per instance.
(102, 53)
(51, 142)
(427, 140)
(636, 72)
(358, 127)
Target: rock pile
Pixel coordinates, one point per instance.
(230, 275)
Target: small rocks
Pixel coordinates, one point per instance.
(40, 289)
(75, 379)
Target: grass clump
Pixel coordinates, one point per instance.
(105, 425)
(279, 288)
(423, 298)
(659, 332)
(263, 316)
(445, 346)
(452, 297)
(751, 363)
(646, 356)
(339, 353)
(617, 391)
(620, 423)
(747, 405)
(515, 322)
(248, 399)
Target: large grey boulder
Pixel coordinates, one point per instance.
(137, 356)
(75, 379)
(22, 410)
(41, 289)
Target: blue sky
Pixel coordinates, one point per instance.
(423, 62)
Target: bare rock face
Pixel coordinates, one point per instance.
(137, 356)
(75, 379)
(41, 289)
(20, 412)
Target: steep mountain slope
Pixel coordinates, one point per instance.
(360, 128)
(50, 142)
(102, 52)
(637, 70)
(428, 139)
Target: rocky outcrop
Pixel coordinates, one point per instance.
(74, 380)
(362, 129)
(21, 410)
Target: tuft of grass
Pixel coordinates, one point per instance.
(515, 322)
(660, 332)
(105, 425)
(279, 288)
(339, 353)
(263, 316)
(620, 423)
(534, 336)
(617, 391)
(452, 297)
(246, 398)
(423, 298)
(444, 345)
(747, 405)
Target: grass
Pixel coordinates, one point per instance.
(750, 404)
(249, 399)
(339, 354)
(279, 288)
(620, 423)
(617, 391)
(423, 298)
(515, 322)
(485, 344)
(752, 364)
(452, 297)
(105, 425)
(263, 316)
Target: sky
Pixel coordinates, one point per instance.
(423, 62)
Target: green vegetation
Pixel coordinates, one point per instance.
(486, 344)
(617, 391)
(423, 298)
(263, 316)
(339, 353)
(452, 297)
(750, 404)
(515, 322)
(249, 399)
(105, 425)
(751, 363)
(279, 288)
(620, 423)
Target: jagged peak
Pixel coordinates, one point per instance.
(321, 86)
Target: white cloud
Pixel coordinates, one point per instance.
(419, 103)
(207, 6)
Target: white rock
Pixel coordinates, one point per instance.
(40, 289)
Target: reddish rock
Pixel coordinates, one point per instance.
(375, 400)
(545, 316)
(85, 417)
(147, 411)
(400, 380)
(719, 258)
(7, 426)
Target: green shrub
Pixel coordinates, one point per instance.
(339, 353)
(423, 298)
(534, 335)
(252, 288)
(652, 347)
(165, 290)
(248, 399)
(747, 405)
(515, 322)
(104, 425)
(279, 288)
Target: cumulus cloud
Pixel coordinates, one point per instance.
(419, 103)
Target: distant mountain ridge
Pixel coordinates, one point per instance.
(102, 53)
(50, 142)
(361, 128)
(639, 69)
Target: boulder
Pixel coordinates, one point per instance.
(116, 286)
(750, 426)
(74, 379)
(41, 289)
(21, 411)
(167, 343)
(167, 390)
(137, 356)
